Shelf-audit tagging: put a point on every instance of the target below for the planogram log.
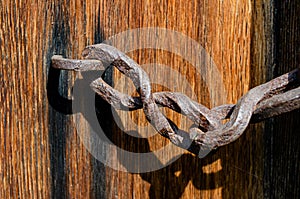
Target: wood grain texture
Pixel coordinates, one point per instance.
(42, 155)
(282, 149)
(25, 156)
(223, 29)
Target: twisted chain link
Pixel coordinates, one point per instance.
(275, 97)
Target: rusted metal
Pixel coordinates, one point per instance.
(76, 65)
(275, 97)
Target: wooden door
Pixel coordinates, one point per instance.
(42, 156)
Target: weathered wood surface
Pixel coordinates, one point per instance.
(41, 154)
(282, 138)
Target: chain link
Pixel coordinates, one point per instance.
(273, 98)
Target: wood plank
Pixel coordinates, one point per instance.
(41, 154)
(282, 166)
(224, 30)
(25, 157)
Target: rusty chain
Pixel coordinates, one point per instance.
(275, 97)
